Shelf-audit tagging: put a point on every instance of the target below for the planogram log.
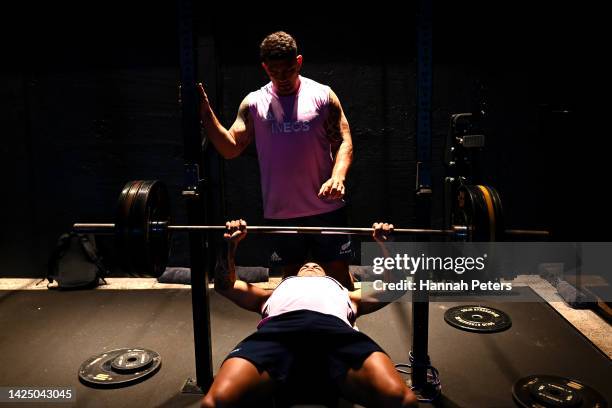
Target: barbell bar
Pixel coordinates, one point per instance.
(268, 229)
(105, 228)
(142, 226)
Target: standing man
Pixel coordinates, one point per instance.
(304, 148)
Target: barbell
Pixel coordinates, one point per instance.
(142, 224)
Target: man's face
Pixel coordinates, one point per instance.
(284, 74)
(311, 269)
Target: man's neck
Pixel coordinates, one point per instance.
(296, 89)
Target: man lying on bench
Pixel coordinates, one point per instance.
(307, 326)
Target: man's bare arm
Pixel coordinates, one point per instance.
(242, 293)
(339, 135)
(229, 143)
(382, 234)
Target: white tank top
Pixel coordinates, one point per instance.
(295, 156)
(321, 294)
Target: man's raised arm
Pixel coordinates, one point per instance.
(242, 293)
(229, 143)
(375, 300)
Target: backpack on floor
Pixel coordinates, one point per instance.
(75, 263)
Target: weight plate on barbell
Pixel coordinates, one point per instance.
(462, 211)
(479, 208)
(474, 318)
(159, 211)
(139, 230)
(537, 391)
(471, 212)
(99, 370)
(123, 239)
(144, 251)
(499, 214)
(150, 249)
(489, 209)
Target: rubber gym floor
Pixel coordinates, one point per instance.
(46, 335)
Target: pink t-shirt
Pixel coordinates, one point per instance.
(321, 294)
(295, 156)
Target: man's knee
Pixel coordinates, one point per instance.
(410, 400)
(208, 401)
(218, 401)
(220, 396)
(398, 395)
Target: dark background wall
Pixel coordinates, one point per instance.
(90, 96)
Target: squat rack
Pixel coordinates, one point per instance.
(195, 194)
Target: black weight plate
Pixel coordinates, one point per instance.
(143, 252)
(97, 371)
(462, 211)
(470, 210)
(138, 227)
(474, 217)
(496, 231)
(482, 229)
(150, 250)
(122, 225)
(474, 318)
(499, 214)
(548, 391)
(158, 210)
(132, 361)
(490, 213)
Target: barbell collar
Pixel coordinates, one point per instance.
(523, 232)
(93, 228)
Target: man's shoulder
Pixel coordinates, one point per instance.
(320, 91)
(264, 91)
(315, 84)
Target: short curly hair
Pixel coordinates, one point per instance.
(278, 46)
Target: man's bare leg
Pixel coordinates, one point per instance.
(238, 384)
(377, 384)
(339, 270)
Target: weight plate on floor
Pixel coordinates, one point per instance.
(100, 371)
(480, 319)
(132, 361)
(548, 391)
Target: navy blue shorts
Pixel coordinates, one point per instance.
(296, 249)
(306, 346)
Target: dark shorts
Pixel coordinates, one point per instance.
(306, 346)
(291, 249)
